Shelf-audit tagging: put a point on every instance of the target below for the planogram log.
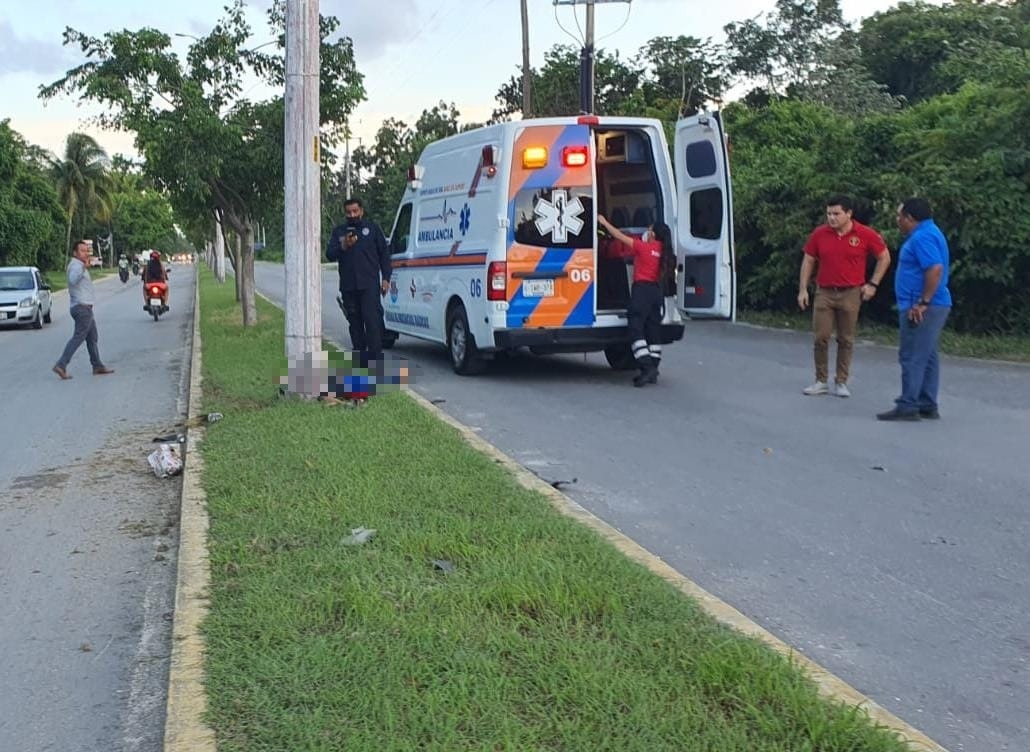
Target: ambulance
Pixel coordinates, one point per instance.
(495, 245)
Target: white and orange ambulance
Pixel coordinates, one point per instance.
(495, 243)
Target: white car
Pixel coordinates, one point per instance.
(24, 297)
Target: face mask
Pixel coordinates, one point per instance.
(646, 237)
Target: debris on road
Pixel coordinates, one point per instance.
(165, 461)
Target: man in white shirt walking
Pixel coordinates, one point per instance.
(81, 299)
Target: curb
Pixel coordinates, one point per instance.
(829, 685)
(185, 729)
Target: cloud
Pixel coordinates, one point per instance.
(375, 25)
(31, 55)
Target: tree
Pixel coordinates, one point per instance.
(919, 50)
(681, 75)
(209, 148)
(781, 48)
(82, 182)
(555, 87)
(31, 218)
(841, 81)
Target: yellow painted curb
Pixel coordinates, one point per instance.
(185, 730)
(830, 686)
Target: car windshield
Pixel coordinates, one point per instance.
(15, 280)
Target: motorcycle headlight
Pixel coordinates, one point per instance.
(27, 302)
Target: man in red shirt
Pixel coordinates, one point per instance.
(838, 251)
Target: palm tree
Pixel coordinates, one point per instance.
(81, 179)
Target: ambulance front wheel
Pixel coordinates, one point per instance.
(461, 345)
(389, 339)
(620, 357)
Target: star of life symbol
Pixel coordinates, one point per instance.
(559, 216)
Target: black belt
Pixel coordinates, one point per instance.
(838, 289)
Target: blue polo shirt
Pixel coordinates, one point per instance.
(923, 248)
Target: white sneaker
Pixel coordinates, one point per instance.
(819, 387)
(842, 390)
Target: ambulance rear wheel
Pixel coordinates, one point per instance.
(620, 357)
(389, 339)
(461, 345)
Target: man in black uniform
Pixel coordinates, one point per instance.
(359, 248)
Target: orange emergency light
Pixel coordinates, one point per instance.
(534, 157)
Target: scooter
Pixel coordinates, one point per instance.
(123, 274)
(156, 292)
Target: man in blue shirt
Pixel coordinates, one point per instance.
(924, 302)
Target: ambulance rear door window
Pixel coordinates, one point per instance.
(555, 217)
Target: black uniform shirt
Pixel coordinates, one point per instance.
(362, 264)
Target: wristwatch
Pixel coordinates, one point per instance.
(923, 302)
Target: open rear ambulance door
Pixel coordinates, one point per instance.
(704, 226)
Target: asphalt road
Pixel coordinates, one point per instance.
(88, 534)
(895, 555)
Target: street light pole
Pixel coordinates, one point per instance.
(303, 175)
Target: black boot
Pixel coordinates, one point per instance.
(648, 372)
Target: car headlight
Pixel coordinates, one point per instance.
(27, 303)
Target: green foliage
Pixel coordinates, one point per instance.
(397, 146)
(31, 219)
(81, 177)
(781, 47)
(919, 50)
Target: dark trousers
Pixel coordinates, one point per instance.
(645, 323)
(364, 312)
(85, 331)
(920, 364)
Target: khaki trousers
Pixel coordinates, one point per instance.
(835, 308)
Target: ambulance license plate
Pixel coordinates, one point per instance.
(538, 288)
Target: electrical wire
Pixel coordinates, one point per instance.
(629, 6)
(578, 40)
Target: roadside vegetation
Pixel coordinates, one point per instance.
(1014, 348)
(528, 631)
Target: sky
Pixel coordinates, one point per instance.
(413, 53)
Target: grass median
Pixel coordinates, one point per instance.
(541, 637)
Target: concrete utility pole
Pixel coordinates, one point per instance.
(303, 176)
(219, 252)
(527, 74)
(586, 55)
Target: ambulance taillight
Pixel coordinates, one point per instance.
(497, 281)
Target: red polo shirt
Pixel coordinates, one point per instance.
(842, 258)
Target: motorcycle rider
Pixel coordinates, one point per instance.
(154, 271)
(123, 268)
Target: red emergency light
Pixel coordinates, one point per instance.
(575, 156)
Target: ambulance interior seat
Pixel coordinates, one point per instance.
(643, 217)
(620, 217)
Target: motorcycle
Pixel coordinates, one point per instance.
(123, 274)
(156, 292)
(135, 268)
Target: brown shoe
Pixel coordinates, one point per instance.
(61, 372)
(102, 370)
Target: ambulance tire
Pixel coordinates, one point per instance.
(389, 339)
(620, 357)
(461, 345)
